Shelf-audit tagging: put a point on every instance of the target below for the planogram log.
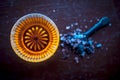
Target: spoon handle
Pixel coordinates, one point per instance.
(102, 23)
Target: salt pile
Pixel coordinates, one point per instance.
(78, 42)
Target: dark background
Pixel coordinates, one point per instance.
(103, 65)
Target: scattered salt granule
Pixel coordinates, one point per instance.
(98, 45)
(53, 10)
(76, 59)
(63, 50)
(76, 23)
(75, 45)
(98, 19)
(110, 24)
(62, 38)
(88, 57)
(65, 55)
(78, 36)
(60, 34)
(62, 44)
(72, 25)
(82, 54)
(91, 20)
(78, 29)
(67, 27)
(86, 26)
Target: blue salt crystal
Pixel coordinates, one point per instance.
(98, 45)
(90, 42)
(68, 41)
(83, 54)
(63, 50)
(79, 41)
(60, 35)
(81, 50)
(98, 19)
(72, 44)
(71, 25)
(76, 23)
(84, 42)
(90, 50)
(79, 36)
(76, 59)
(78, 30)
(110, 24)
(88, 57)
(62, 44)
(91, 20)
(62, 38)
(53, 10)
(67, 27)
(75, 46)
(86, 26)
(65, 34)
(72, 40)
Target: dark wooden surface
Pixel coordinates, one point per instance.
(103, 65)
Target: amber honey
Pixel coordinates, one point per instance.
(34, 37)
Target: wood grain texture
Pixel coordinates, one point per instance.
(103, 65)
